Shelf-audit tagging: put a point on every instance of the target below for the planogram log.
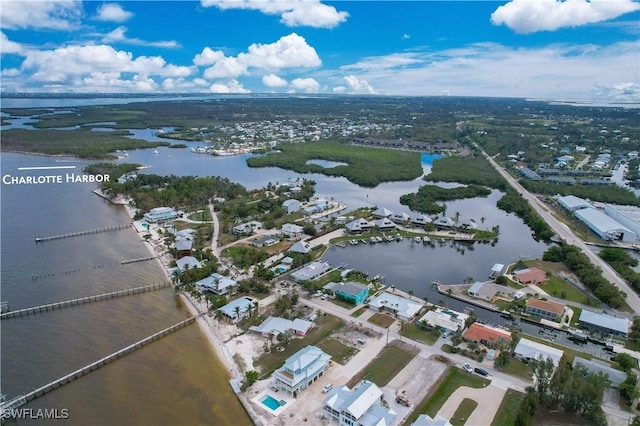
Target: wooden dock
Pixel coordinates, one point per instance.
(77, 234)
(81, 300)
(23, 399)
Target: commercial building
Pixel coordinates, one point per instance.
(360, 406)
(628, 216)
(573, 203)
(604, 226)
(603, 323)
(301, 369)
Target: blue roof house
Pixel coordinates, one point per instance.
(352, 292)
(237, 310)
(301, 369)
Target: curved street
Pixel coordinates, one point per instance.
(563, 231)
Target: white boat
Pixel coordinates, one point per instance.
(155, 151)
(417, 239)
(426, 239)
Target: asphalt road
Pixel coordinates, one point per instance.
(563, 231)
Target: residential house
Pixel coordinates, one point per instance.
(544, 308)
(400, 217)
(183, 248)
(530, 276)
(301, 369)
(352, 292)
(381, 213)
(216, 283)
(486, 334)
(187, 262)
(444, 222)
(360, 406)
(384, 224)
(291, 206)
(403, 308)
(291, 230)
(595, 366)
(300, 247)
(527, 350)
(310, 271)
(445, 320)
(160, 214)
(265, 241)
(419, 219)
(426, 420)
(273, 326)
(237, 310)
(358, 226)
(247, 228)
(604, 324)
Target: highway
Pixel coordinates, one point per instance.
(563, 231)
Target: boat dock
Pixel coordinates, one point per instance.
(81, 300)
(77, 234)
(23, 399)
(141, 259)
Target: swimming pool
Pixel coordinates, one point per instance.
(271, 402)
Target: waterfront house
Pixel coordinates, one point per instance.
(265, 241)
(544, 309)
(486, 335)
(352, 292)
(301, 369)
(160, 214)
(426, 420)
(400, 217)
(604, 324)
(384, 224)
(237, 310)
(445, 320)
(358, 226)
(183, 248)
(291, 230)
(403, 308)
(301, 246)
(310, 271)
(530, 276)
(216, 283)
(291, 206)
(272, 326)
(381, 213)
(527, 350)
(361, 406)
(187, 262)
(444, 222)
(419, 219)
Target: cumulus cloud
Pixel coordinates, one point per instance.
(272, 80)
(291, 51)
(307, 85)
(119, 36)
(624, 92)
(97, 68)
(293, 13)
(52, 15)
(112, 12)
(358, 86)
(7, 46)
(232, 86)
(528, 16)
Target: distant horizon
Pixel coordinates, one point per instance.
(576, 50)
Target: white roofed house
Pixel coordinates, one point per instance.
(301, 369)
(404, 309)
(527, 350)
(382, 212)
(300, 247)
(360, 406)
(604, 324)
(291, 206)
(291, 230)
(420, 219)
(216, 283)
(400, 217)
(444, 222)
(187, 262)
(357, 226)
(385, 224)
(160, 214)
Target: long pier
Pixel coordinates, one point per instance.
(77, 234)
(23, 399)
(81, 300)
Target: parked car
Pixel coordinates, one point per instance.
(326, 388)
(401, 399)
(467, 367)
(481, 372)
(324, 297)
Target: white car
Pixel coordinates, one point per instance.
(467, 368)
(326, 388)
(324, 297)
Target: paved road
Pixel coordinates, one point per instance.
(563, 231)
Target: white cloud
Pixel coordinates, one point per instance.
(390, 61)
(208, 57)
(52, 15)
(7, 46)
(273, 80)
(293, 13)
(406, 36)
(357, 86)
(232, 86)
(119, 36)
(528, 16)
(628, 92)
(112, 12)
(291, 51)
(339, 90)
(490, 69)
(307, 85)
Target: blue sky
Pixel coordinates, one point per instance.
(544, 49)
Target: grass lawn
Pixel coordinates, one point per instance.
(382, 320)
(200, 216)
(455, 377)
(327, 278)
(343, 304)
(463, 412)
(517, 368)
(414, 332)
(560, 288)
(508, 408)
(339, 352)
(386, 365)
(359, 312)
(325, 327)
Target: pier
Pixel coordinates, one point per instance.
(23, 399)
(81, 300)
(141, 259)
(77, 234)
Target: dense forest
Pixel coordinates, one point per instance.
(425, 200)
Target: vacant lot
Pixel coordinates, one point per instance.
(386, 365)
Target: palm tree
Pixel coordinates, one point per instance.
(456, 218)
(237, 312)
